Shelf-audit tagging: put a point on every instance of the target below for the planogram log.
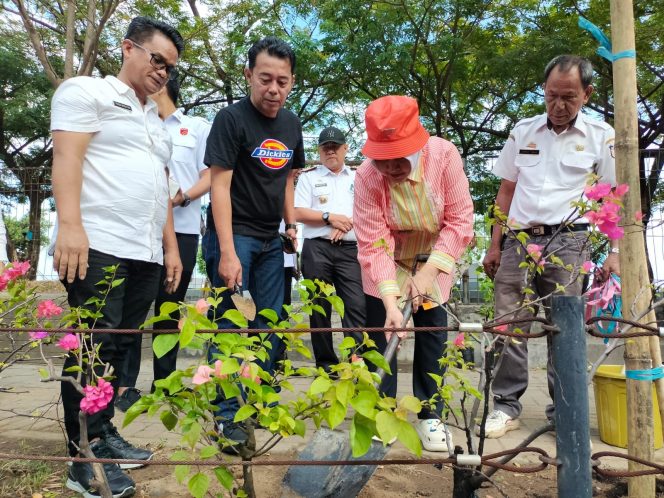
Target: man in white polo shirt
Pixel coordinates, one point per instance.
(544, 167)
(110, 153)
(324, 204)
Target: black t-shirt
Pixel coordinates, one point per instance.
(261, 151)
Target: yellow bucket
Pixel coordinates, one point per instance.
(611, 404)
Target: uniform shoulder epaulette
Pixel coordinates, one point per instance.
(307, 170)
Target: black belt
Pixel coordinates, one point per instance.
(551, 229)
(338, 243)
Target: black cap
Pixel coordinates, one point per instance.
(331, 134)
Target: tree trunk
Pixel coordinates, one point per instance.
(36, 197)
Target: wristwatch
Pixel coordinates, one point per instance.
(614, 250)
(291, 225)
(186, 200)
(326, 217)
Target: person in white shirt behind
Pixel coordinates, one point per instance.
(188, 135)
(324, 205)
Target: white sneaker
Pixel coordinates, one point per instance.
(433, 434)
(497, 424)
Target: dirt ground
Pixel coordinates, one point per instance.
(387, 482)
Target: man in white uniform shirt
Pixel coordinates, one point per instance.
(324, 204)
(188, 135)
(544, 167)
(110, 153)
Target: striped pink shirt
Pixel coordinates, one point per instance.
(430, 212)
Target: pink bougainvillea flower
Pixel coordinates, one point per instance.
(534, 251)
(48, 308)
(97, 397)
(459, 340)
(180, 323)
(598, 191)
(587, 266)
(202, 306)
(621, 190)
(606, 219)
(638, 216)
(17, 269)
(246, 373)
(202, 375)
(68, 342)
(501, 328)
(217, 370)
(39, 335)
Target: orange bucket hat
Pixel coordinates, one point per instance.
(393, 128)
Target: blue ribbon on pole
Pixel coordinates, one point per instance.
(647, 375)
(605, 49)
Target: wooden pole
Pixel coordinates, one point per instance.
(636, 293)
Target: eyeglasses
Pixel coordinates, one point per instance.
(157, 62)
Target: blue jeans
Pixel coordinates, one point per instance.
(263, 275)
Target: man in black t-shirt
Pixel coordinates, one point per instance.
(253, 148)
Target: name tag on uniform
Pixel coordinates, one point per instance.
(121, 105)
(529, 151)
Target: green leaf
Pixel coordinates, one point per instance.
(192, 435)
(43, 373)
(244, 413)
(169, 419)
(408, 437)
(377, 359)
(335, 414)
(300, 428)
(270, 314)
(134, 411)
(163, 343)
(387, 426)
(75, 368)
(198, 485)
(224, 477)
(345, 391)
(230, 366)
(320, 385)
(209, 451)
(187, 334)
(364, 403)
(337, 304)
(347, 343)
(236, 318)
(181, 472)
(360, 435)
(411, 403)
(168, 308)
(318, 309)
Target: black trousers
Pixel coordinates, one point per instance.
(126, 308)
(188, 246)
(337, 265)
(429, 347)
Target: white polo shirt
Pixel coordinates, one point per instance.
(189, 135)
(551, 170)
(124, 196)
(323, 190)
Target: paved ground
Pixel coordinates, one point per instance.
(30, 410)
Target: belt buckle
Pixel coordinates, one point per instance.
(539, 230)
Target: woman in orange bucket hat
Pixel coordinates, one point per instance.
(412, 195)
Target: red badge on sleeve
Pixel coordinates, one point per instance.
(184, 131)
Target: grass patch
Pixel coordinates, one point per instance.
(27, 478)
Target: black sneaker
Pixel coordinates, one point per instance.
(81, 475)
(121, 448)
(235, 432)
(125, 400)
